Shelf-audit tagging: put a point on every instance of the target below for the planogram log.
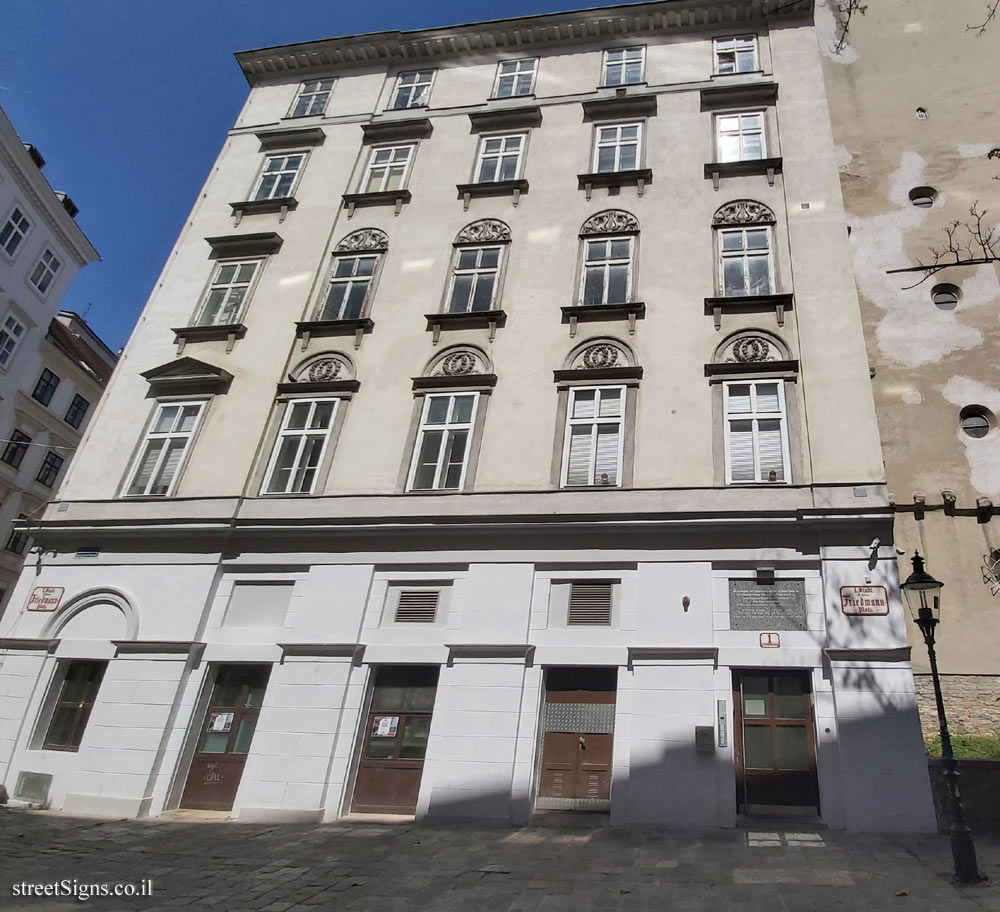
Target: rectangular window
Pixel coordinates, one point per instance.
(474, 279)
(412, 89)
(515, 77)
(590, 604)
(623, 66)
(388, 168)
(736, 55)
(228, 293)
(159, 461)
(441, 453)
(10, 335)
(14, 230)
(49, 471)
(500, 158)
(77, 411)
(350, 281)
(16, 447)
(746, 261)
(301, 445)
(277, 178)
(18, 539)
(756, 438)
(607, 271)
(740, 136)
(592, 454)
(312, 98)
(45, 271)
(77, 695)
(45, 387)
(617, 148)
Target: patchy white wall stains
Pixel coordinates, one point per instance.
(912, 397)
(827, 33)
(983, 453)
(843, 156)
(974, 151)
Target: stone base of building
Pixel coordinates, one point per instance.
(971, 701)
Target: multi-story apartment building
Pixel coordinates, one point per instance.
(48, 383)
(498, 439)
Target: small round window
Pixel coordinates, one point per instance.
(923, 197)
(976, 421)
(945, 296)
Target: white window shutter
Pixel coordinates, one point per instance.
(741, 451)
(417, 606)
(578, 471)
(590, 604)
(770, 448)
(608, 438)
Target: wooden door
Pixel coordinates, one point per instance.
(576, 765)
(225, 737)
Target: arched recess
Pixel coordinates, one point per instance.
(751, 346)
(97, 614)
(367, 240)
(324, 368)
(459, 361)
(483, 232)
(743, 212)
(610, 221)
(602, 352)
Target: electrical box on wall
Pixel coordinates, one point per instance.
(704, 739)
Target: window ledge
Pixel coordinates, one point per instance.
(716, 307)
(282, 205)
(600, 487)
(718, 170)
(240, 245)
(513, 117)
(743, 93)
(228, 331)
(451, 381)
(481, 319)
(620, 105)
(320, 386)
(598, 374)
(617, 179)
(492, 188)
(290, 139)
(591, 312)
(322, 328)
(381, 198)
(770, 368)
(396, 129)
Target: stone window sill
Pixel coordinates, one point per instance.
(282, 205)
(482, 319)
(323, 328)
(779, 303)
(228, 331)
(394, 198)
(602, 312)
(717, 170)
(615, 180)
(512, 188)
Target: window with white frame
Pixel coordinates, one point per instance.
(228, 292)
(736, 55)
(278, 176)
(14, 230)
(312, 98)
(300, 447)
(412, 89)
(10, 334)
(350, 281)
(595, 424)
(474, 279)
(607, 271)
(745, 261)
(387, 169)
(500, 158)
(740, 136)
(45, 271)
(515, 77)
(157, 466)
(441, 451)
(616, 147)
(623, 66)
(756, 433)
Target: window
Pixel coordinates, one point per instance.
(946, 296)
(515, 77)
(18, 539)
(412, 89)
(300, 447)
(976, 421)
(159, 461)
(45, 271)
(923, 197)
(617, 148)
(350, 280)
(590, 604)
(441, 453)
(10, 335)
(277, 179)
(746, 261)
(740, 136)
(14, 231)
(474, 279)
(756, 441)
(77, 695)
(736, 55)
(16, 447)
(607, 271)
(387, 169)
(312, 98)
(592, 453)
(623, 66)
(49, 471)
(77, 411)
(500, 158)
(417, 606)
(226, 295)
(45, 387)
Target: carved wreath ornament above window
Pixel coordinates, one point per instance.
(743, 212)
(483, 231)
(366, 239)
(598, 356)
(458, 364)
(323, 370)
(611, 221)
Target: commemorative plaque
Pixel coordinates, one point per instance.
(780, 605)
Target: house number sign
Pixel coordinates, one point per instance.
(857, 601)
(45, 598)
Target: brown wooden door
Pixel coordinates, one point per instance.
(775, 741)
(225, 737)
(576, 765)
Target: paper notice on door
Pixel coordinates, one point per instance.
(220, 722)
(385, 726)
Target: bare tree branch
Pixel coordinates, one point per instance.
(991, 14)
(844, 10)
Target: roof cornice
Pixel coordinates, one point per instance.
(521, 35)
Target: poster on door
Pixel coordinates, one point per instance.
(385, 726)
(220, 722)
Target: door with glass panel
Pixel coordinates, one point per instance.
(225, 737)
(775, 742)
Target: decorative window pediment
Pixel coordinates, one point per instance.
(483, 232)
(367, 239)
(187, 375)
(610, 221)
(598, 359)
(752, 351)
(461, 366)
(327, 372)
(743, 212)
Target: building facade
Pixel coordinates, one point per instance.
(498, 440)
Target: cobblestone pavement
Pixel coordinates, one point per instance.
(223, 866)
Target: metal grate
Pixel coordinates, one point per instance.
(590, 603)
(417, 606)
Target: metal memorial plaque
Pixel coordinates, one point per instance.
(778, 606)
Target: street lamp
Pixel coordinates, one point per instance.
(923, 596)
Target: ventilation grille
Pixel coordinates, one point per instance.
(590, 603)
(417, 606)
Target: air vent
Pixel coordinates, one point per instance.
(590, 603)
(33, 787)
(88, 552)
(417, 606)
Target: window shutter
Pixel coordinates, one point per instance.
(590, 603)
(578, 472)
(770, 449)
(607, 454)
(417, 606)
(741, 450)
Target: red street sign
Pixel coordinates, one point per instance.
(45, 598)
(770, 639)
(856, 601)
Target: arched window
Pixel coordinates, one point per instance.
(348, 292)
(744, 243)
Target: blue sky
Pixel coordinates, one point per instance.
(129, 102)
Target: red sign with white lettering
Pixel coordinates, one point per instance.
(45, 598)
(859, 601)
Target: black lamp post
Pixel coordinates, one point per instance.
(923, 596)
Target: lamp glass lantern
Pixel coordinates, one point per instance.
(923, 595)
